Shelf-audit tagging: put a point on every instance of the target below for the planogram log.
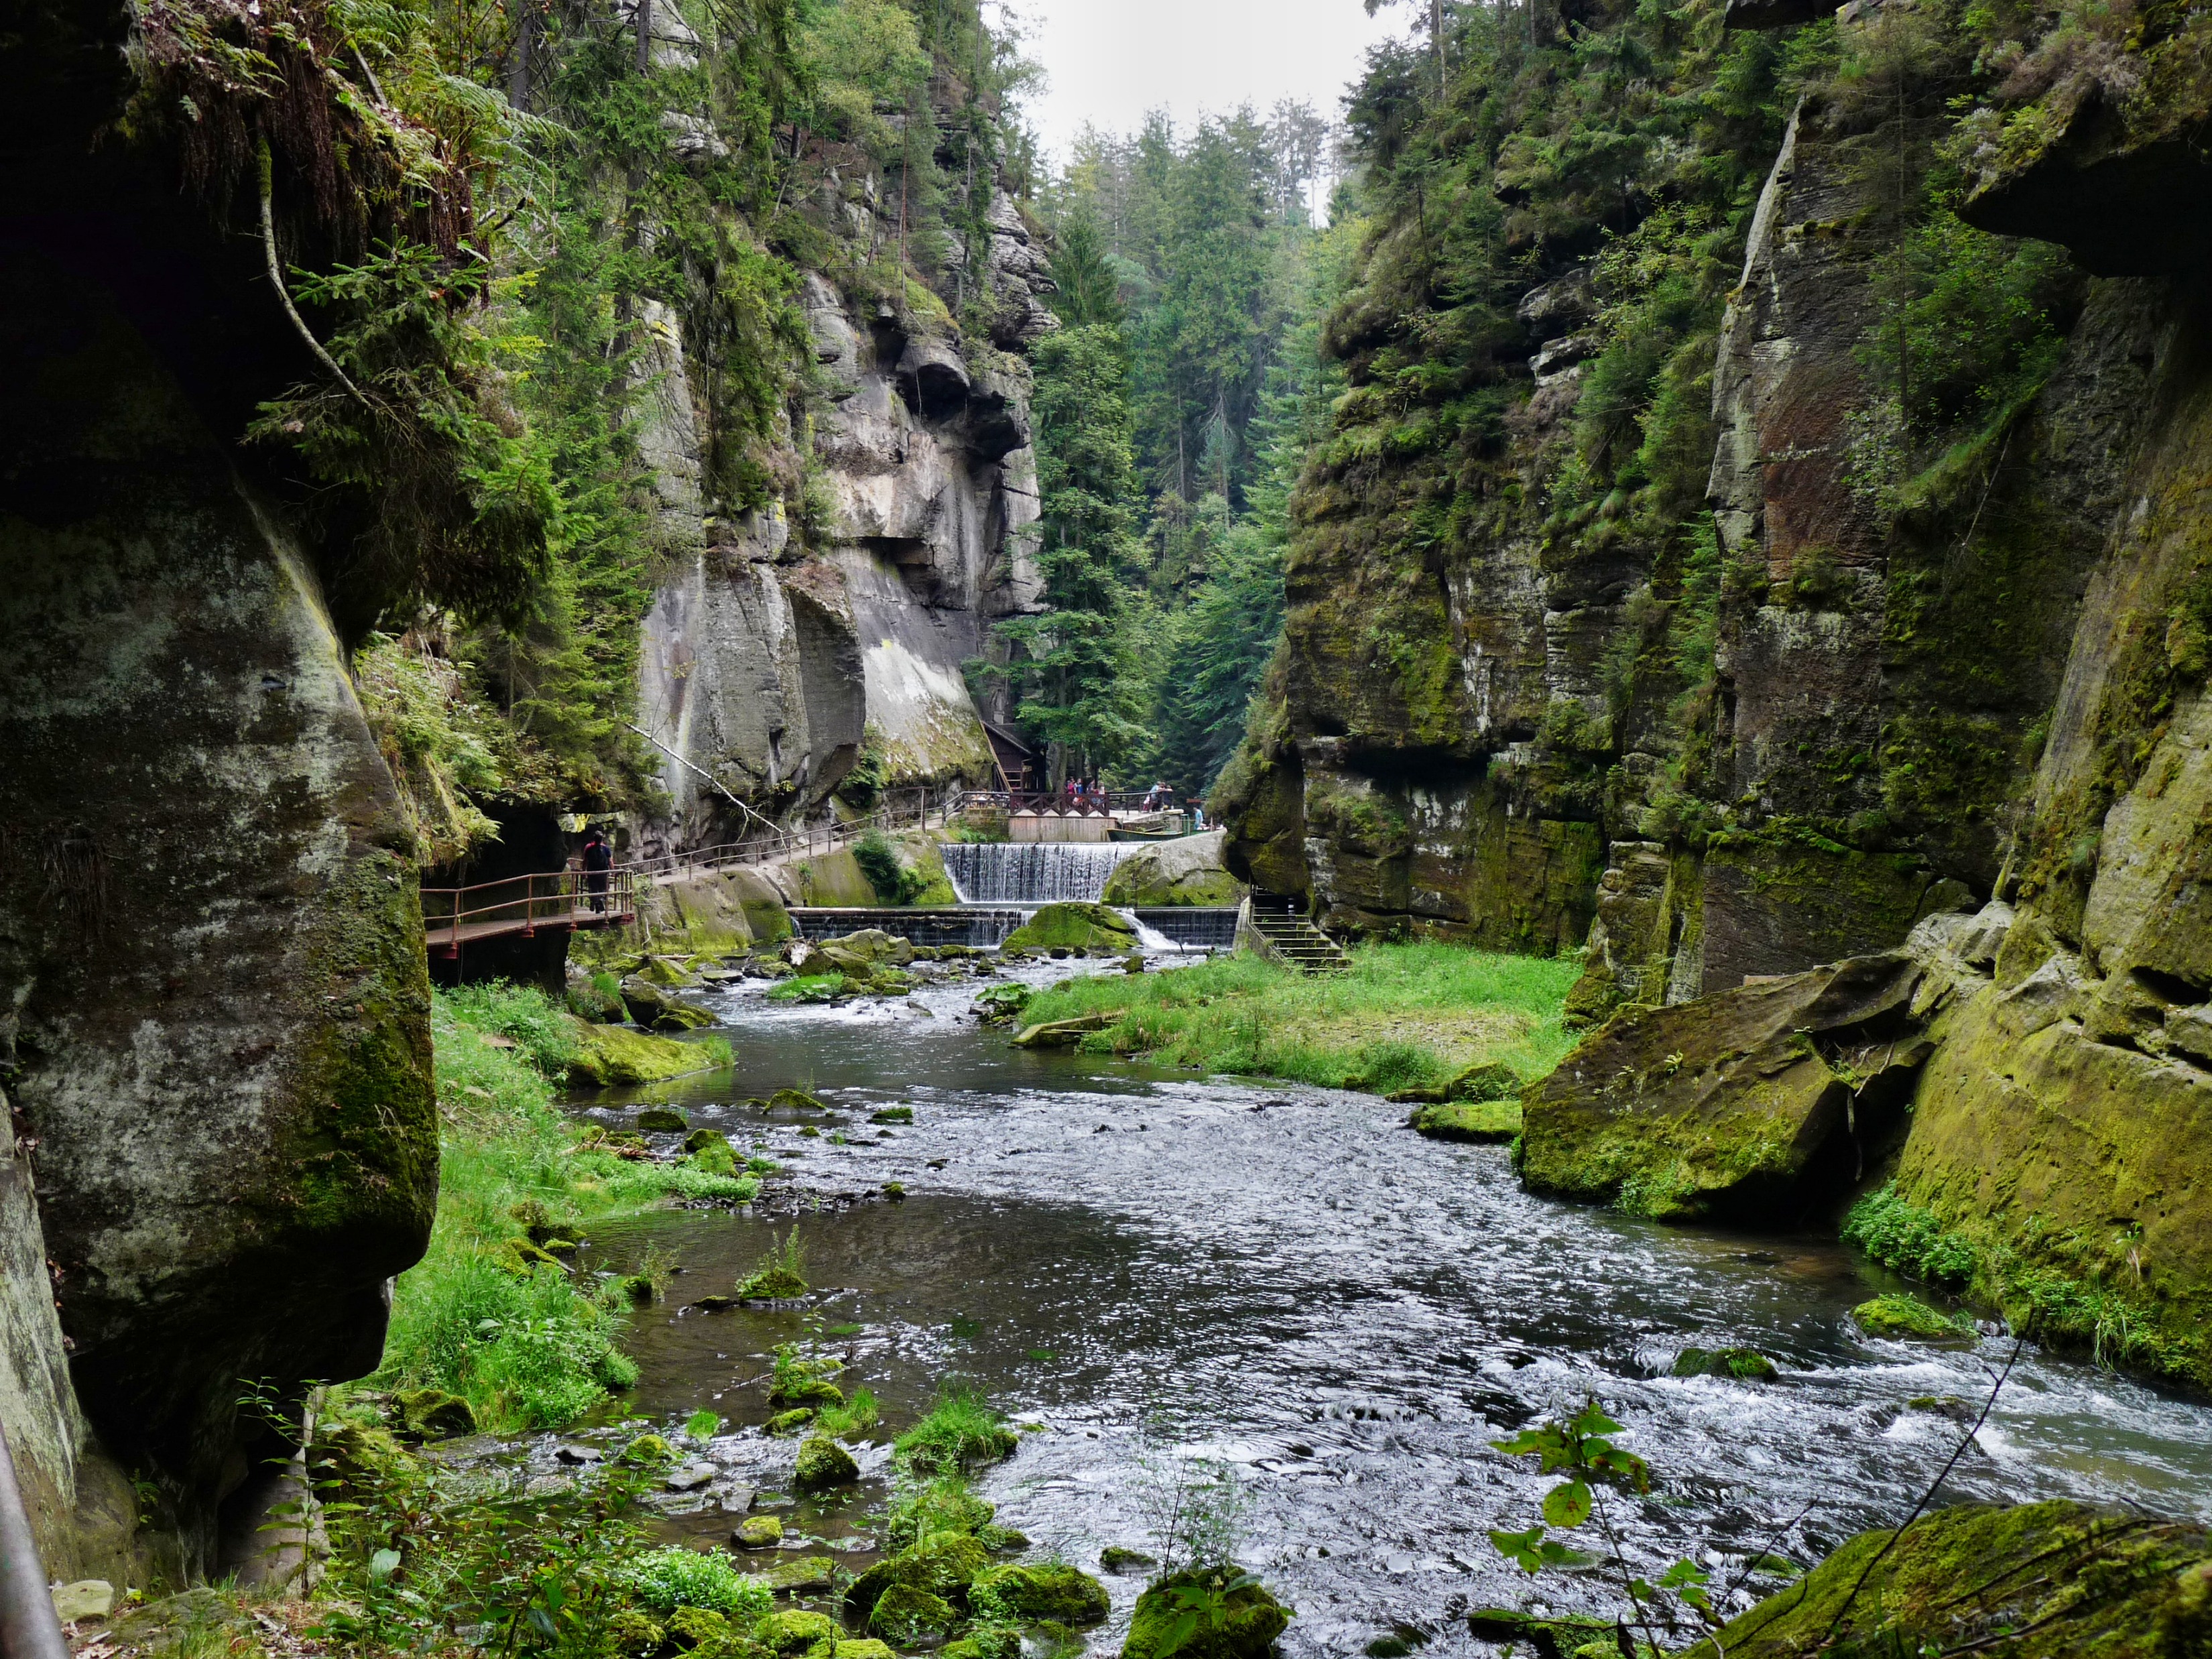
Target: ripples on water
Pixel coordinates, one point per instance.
(1152, 1266)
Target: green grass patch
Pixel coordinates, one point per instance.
(1403, 1017)
(961, 1432)
(522, 1340)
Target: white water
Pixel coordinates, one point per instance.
(1032, 872)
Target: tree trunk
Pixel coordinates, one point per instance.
(645, 37)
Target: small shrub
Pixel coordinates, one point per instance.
(667, 1579)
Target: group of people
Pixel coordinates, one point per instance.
(1085, 795)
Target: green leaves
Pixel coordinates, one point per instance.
(1567, 1504)
(1579, 1442)
(1532, 1552)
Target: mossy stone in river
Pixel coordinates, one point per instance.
(1115, 1559)
(783, 1423)
(647, 1451)
(1064, 1594)
(942, 1506)
(1074, 927)
(795, 1629)
(910, 1616)
(1903, 1318)
(613, 1054)
(943, 1563)
(796, 1100)
(1743, 1365)
(632, 1631)
(1251, 1619)
(775, 1285)
(662, 1119)
(758, 1532)
(985, 1642)
(698, 1627)
(1476, 1121)
(822, 1462)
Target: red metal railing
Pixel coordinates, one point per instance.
(522, 904)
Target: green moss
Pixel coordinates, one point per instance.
(1074, 928)
(1486, 1120)
(1057, 1592)
(2065, 1580)
(1903, 1317)
(1250, 1617)
(944, 1564)
(610, 1054)
(908, 1615)
(1741, 1364)
(823, 1463)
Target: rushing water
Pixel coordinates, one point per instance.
(1157, 1267)
(1032, 872)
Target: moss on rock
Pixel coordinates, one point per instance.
(1063, 1593)
(822, 1462)
(2042, 1580)
(1476, 1121)
(1741, 1364)
(1074, 928)
(1903, 1318)
(609, 1053)
(944, 1564)
(909, 1615)
(1252, 1619)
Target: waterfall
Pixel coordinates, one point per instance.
(1031, 872)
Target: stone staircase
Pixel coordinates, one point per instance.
(1289, 937)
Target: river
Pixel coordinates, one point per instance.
(1151, 1267)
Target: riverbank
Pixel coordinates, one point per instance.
(1402, 1017)
(492, 1316)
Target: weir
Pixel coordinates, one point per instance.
(1035, 873)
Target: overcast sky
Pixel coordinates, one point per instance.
(1110, 61)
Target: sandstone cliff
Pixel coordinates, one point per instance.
(1938, 649)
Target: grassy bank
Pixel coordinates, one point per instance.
(489, 1314)
(1404, 1016)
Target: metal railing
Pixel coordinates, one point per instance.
(523, 904)
(1115, 801)
(907, 808)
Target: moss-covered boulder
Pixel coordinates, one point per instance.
(985, 1642)
(909, 1615)
(634, 1632)
(795, 1629)
(801, 1575)
(1749, 1105)
(698, 1627)
(648, 1451)
(1906, 1318)
(794, 1421)
(1741, 1364)
(758, 1532)
(1187, 872)
(1090, 928)
(822, 1462)
(943, 1563)
(796, 1100)
(1252, 1618)
(662, 1119)
(2043, 1581)
(1466, 1120)
(651, 1006)
(944, 1505)
(1055, 1591)
(610, 1054)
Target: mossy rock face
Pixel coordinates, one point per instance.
(909, 1615)
(793, 1630)
(1074, 928)
(662, 1119)
(1902, 1318)
(1255, 1619)
(822, 1462)
(1721, 1108)
(943, 1563)
(1743, 1365)
(2127, 1589)
(1487, 1120)
(610, 1053)
(1060, 1593)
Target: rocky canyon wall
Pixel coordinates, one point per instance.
(779, 654)
(1941, 720)
(214, 1011)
